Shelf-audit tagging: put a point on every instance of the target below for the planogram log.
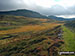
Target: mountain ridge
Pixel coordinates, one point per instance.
(32, 14)
(23, 12)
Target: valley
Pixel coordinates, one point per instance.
(37, 28)
(23, 36)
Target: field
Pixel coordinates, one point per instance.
(21, 36)
(69, 38)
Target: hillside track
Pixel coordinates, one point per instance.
(54, 47)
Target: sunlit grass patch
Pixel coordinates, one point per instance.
(69, 38)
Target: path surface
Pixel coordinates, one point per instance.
(54, 47)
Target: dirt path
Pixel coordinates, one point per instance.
(54, 47)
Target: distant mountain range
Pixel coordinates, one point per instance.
(33, 14)
(60, 18)
(57, 18)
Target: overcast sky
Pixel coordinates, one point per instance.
(47, 7)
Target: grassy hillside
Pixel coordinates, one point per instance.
(30, 37)
(23, 12)
(28, 43)
(22, 36)
(69, 40)
(71, 25)
(69, 35)
(9, 22)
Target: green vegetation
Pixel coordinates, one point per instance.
(69, 38)
(6, 28)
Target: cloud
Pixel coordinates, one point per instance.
(11, 4)
(47, 7)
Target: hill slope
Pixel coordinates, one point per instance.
(71, 25)
(31, 37)
(56, 18)
(8, 22)
(23, 12)
(32, 14)
(61, 18)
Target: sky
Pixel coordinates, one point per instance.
(61, 8)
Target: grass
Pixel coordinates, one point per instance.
(32, 37)
(69, 39)
(29, 28)
(26, 45)
(7, 28)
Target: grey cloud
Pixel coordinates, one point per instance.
(11, 4)
(20, 4)
(59, 10)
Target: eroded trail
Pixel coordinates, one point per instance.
(57, 42)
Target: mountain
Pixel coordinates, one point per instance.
(57, 18)
(61, 18)
(32, 14)
(23, 12)
(72, 18)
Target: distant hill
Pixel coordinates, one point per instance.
(32, 14)
(60, 18)
(72, 18)
(71, 25)
(23, 12)
(56, 18)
